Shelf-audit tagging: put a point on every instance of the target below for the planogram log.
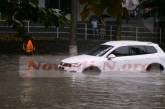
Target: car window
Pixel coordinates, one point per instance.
(137, 50)
(121, 51)
(134, 50)
(150, 49)
(100, 51)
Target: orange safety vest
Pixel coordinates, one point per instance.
(29, 47)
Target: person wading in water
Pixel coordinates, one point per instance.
(28, 46)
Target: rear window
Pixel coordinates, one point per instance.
(134, 50)
(150, 49)
(140, 50)
(137, 50)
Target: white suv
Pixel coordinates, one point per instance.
(118, 56)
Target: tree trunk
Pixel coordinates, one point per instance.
(73, 44)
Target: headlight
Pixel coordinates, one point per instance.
(70, 64)
(75, 64)
(66, 64)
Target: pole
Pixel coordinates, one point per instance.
(160, 36)
(28, 26)
(136, 33)
(111, 32)
(86, 28)
(57, 30)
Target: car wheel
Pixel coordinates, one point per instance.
(155, 68)
(92, 71)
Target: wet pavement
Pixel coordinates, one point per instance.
(111, 92)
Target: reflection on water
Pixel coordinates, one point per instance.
(130, 91)
(26, 93)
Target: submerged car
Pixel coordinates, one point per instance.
(118, 56)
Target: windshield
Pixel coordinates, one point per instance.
(100, 51)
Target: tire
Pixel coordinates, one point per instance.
(92, 71)
(155, 68)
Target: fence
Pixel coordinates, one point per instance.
(85, 31)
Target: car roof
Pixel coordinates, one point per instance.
(127, 42)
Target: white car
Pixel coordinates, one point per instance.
(118, 56)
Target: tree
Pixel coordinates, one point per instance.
(73, 45)
(152, 8)
(16, 12)
(111, 7)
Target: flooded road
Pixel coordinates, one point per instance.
(107, 92)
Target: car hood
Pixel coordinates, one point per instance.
(81, 58)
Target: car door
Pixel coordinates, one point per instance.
(129, 58)
(116, 63)
(137, 59)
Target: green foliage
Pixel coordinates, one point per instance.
(16, 12)
(152, 8)
(111, 7)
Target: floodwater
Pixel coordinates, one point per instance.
(130, 91)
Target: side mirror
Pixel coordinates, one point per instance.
(111, 56)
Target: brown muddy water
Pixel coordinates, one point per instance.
(130, 91)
